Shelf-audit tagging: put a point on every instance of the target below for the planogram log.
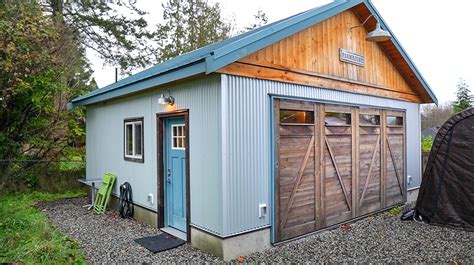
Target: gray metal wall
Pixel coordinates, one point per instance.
(246, 155)
(104, 144)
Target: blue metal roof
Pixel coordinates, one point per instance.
(215, 56)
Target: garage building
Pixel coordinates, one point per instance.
(291, 128)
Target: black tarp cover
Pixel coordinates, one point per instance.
(446, 195)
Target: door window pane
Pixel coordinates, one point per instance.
(368, 120)
(296, 116)
(337, 119)
(177, 137)
(394, 121)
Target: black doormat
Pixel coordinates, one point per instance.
(160, 242)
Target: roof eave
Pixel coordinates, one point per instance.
(402, 51)
(141, 85)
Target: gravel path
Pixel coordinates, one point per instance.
(108, 238)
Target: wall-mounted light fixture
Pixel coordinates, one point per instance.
(376, 35)
(169, 100)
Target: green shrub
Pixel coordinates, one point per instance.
(426, 143)
(53, 177)
(395, 211)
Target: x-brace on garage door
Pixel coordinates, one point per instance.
(334, 163)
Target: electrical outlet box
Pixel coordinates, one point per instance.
(262, 210)
(150, 198)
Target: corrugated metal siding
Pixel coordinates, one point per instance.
(246, 142)
(104, 145)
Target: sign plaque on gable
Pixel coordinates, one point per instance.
(351, 57)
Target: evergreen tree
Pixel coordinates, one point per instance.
(189, 25)
(119, 39)
(463, 97)
(260, 20)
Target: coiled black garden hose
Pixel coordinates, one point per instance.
(126, 202)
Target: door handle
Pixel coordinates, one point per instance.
(168, 176)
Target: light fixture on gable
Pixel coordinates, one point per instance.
(169, 100)
(376, 35)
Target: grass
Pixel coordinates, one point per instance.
(26, 235)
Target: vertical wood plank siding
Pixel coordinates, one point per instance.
(247, 144)
(311, 57)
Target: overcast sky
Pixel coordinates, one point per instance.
(437, 35)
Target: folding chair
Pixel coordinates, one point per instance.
(103, 195)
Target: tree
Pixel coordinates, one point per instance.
(122, 40)
(435, 116)
(463, 97)
(42, 67)
(260, 20)
(189, 25)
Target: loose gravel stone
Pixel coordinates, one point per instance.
(108, 238)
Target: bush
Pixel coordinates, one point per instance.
(395, 211)
(426, 143)
(52, 177)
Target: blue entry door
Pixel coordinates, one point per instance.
(175, 173)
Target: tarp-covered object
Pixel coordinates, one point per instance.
(446, 195)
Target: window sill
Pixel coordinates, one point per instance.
(134, 159)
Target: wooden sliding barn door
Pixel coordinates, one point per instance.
(295, 139)
(394, 149)
(370, 151)
(338, 164)
(334, 163)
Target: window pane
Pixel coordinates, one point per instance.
(365, 119)
(296, 116)
(333, 118)
(175, 142)
(175, 131)
(138, 139)
(180, 142)
(128, 139)
(394, 121)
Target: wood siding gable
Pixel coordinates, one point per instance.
(311, 57)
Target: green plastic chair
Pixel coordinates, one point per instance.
(103, 195)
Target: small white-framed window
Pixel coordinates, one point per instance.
(133, 139)
(178, 137)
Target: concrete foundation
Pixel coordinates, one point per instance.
(412, 195)
(231, 247)
(139, 213)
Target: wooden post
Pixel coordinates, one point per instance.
(383, 160)
(276, 168)
(355, 162)
(317, 167)
(322, 158)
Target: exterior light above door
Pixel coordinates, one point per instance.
(163, 100)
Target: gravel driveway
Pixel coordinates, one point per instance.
(108, 238)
